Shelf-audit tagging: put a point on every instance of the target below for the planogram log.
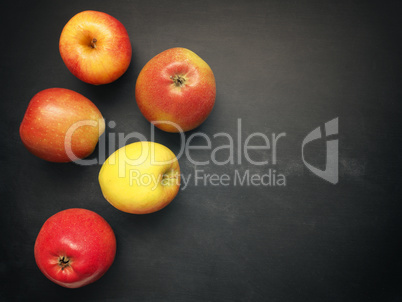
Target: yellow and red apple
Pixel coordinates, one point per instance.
(95, 47)
(176, 90)
(61, 125)
(140, 178)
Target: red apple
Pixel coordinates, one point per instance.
(178, 87)
(75, 247)
(61, 125)
(95, 47)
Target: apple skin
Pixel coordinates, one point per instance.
(79, 237)
(95, 47)
(124, 178)
(176, 86)
(49, 116)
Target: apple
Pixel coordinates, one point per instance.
(95, 47)
(61, 125)
(140, 178)
(176, 90)
(75, 247)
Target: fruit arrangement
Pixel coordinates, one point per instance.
(175, 91)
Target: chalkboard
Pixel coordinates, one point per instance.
(321, 79)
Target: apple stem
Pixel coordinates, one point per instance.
(178, 80)
(170, 177)
(63, 262)
(93, 43)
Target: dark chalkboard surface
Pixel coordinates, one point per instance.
(281, 67)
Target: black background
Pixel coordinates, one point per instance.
(280, 66)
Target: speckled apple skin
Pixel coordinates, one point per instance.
(81, 235)
(160, 100)
(49, 116)
(98, 65)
